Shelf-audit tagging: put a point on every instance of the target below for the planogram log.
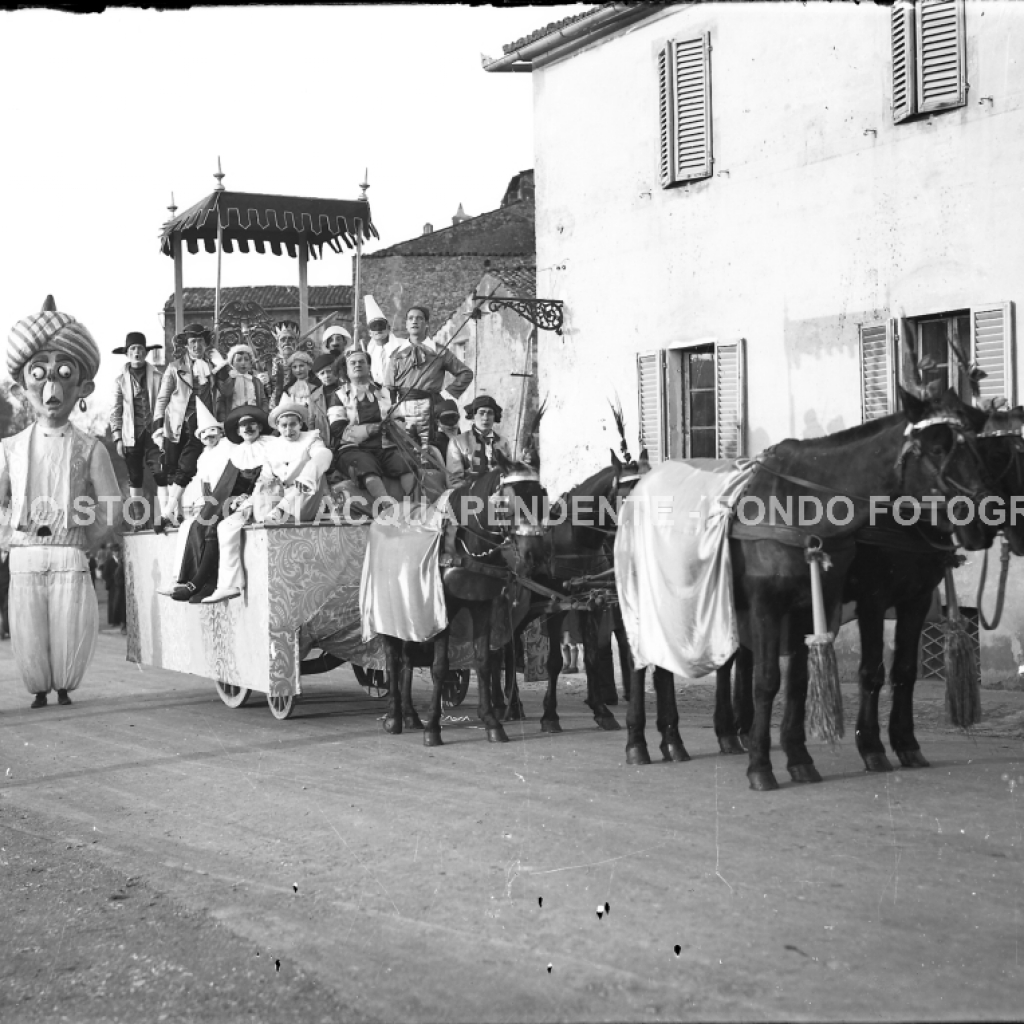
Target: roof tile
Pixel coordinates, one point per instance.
(269, 296)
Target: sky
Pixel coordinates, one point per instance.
(105, 115)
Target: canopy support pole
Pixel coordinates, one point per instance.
(179, 293)
(216, 298)
(303, 288)
(358, 282)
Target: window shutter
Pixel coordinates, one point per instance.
(940, 55)
(666, 134)
(876, 371)
(692, 102)
(650, 371)
(730, 399)
(992, 350)
(904, 61)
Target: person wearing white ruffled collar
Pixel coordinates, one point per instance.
(241, 386)
(295, 464)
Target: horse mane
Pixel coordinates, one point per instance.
(593, 486)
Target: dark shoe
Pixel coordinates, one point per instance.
(63, 698)
(183, 592)
(203, 593)
(40, 701)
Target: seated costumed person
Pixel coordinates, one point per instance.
(131, 422)
(64, 501)
(357, 413)
(286, 334)
(215, 477)
(416, 376)
(292, 469)
(241, 385)
(326, 370)
(308, 392)
(191, 377)
(471, 454)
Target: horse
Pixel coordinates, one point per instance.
(492, 554)
(900, 567)
(924, 449)
(579, 526)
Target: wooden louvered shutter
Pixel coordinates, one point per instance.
(666, 133)
(876, 371)
(730, 400)
(692, 101)
(904, 61)
(992, 350)
(941, 78)
(650, 372)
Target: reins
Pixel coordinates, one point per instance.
(1004, 569)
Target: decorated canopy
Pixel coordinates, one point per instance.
(291, 222)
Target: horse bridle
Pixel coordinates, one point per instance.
(912, 447)
(1016, 449)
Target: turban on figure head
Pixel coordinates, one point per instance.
(51, 330)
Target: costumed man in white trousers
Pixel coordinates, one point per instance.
(62, 499)
(295, 464)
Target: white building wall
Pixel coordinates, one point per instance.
(821, 214)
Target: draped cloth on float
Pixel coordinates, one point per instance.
(672, 565)
(401, 593)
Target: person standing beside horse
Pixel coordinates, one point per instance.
(131, 422)
(416, 376)
(64, 499)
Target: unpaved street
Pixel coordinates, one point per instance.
(154, 842)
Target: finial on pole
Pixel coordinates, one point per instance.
(173, 207)
(364, 184)
(220, 177)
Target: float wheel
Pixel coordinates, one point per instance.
(281, 707)
(374, 679)
(233, 696)
(455, 687)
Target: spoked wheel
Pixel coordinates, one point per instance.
(374, 679)
(455, 687)
(281, 707)
(233, 696)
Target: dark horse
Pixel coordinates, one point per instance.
(927, 449)
(491, 548)
(899, 566)
(580, 526)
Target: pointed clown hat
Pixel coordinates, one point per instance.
(205, 420)
(49, 329)
(373, 312)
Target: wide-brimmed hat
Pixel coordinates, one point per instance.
(289, 409)
(134, 338)
(447, 412)
(323, 361)
(235, 417)
(197, 331)
(483, 402)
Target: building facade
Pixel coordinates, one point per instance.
(753, 212)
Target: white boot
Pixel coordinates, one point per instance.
(171, 510)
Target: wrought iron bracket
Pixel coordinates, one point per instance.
(543, 313)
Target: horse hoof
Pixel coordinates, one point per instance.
(637, 755)
(496, 735)
(730, 745)
(674, 752)
(608, 722)
(515, 714)
(412, 722)
(912, 759)
(763, 782)
(550, 725)
(393, 726)
(432, 738)
(877, 762)
(804, 773)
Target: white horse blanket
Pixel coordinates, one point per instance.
(672, 565)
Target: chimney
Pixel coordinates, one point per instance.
(428, 228)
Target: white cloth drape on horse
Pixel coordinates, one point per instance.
(672, 565)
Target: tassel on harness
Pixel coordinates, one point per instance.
(824, 696)
(963, 682)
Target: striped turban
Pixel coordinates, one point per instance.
(51, 330)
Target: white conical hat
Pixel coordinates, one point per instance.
(205, 419)
(373, 311)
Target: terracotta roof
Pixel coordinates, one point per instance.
(269, 296)
(521, 278)
(547, 30)
(509, 230)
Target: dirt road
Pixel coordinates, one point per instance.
(155, 841)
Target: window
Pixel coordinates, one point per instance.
(945, 346)
(684, 110)
(692, 401)
(928, 60)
